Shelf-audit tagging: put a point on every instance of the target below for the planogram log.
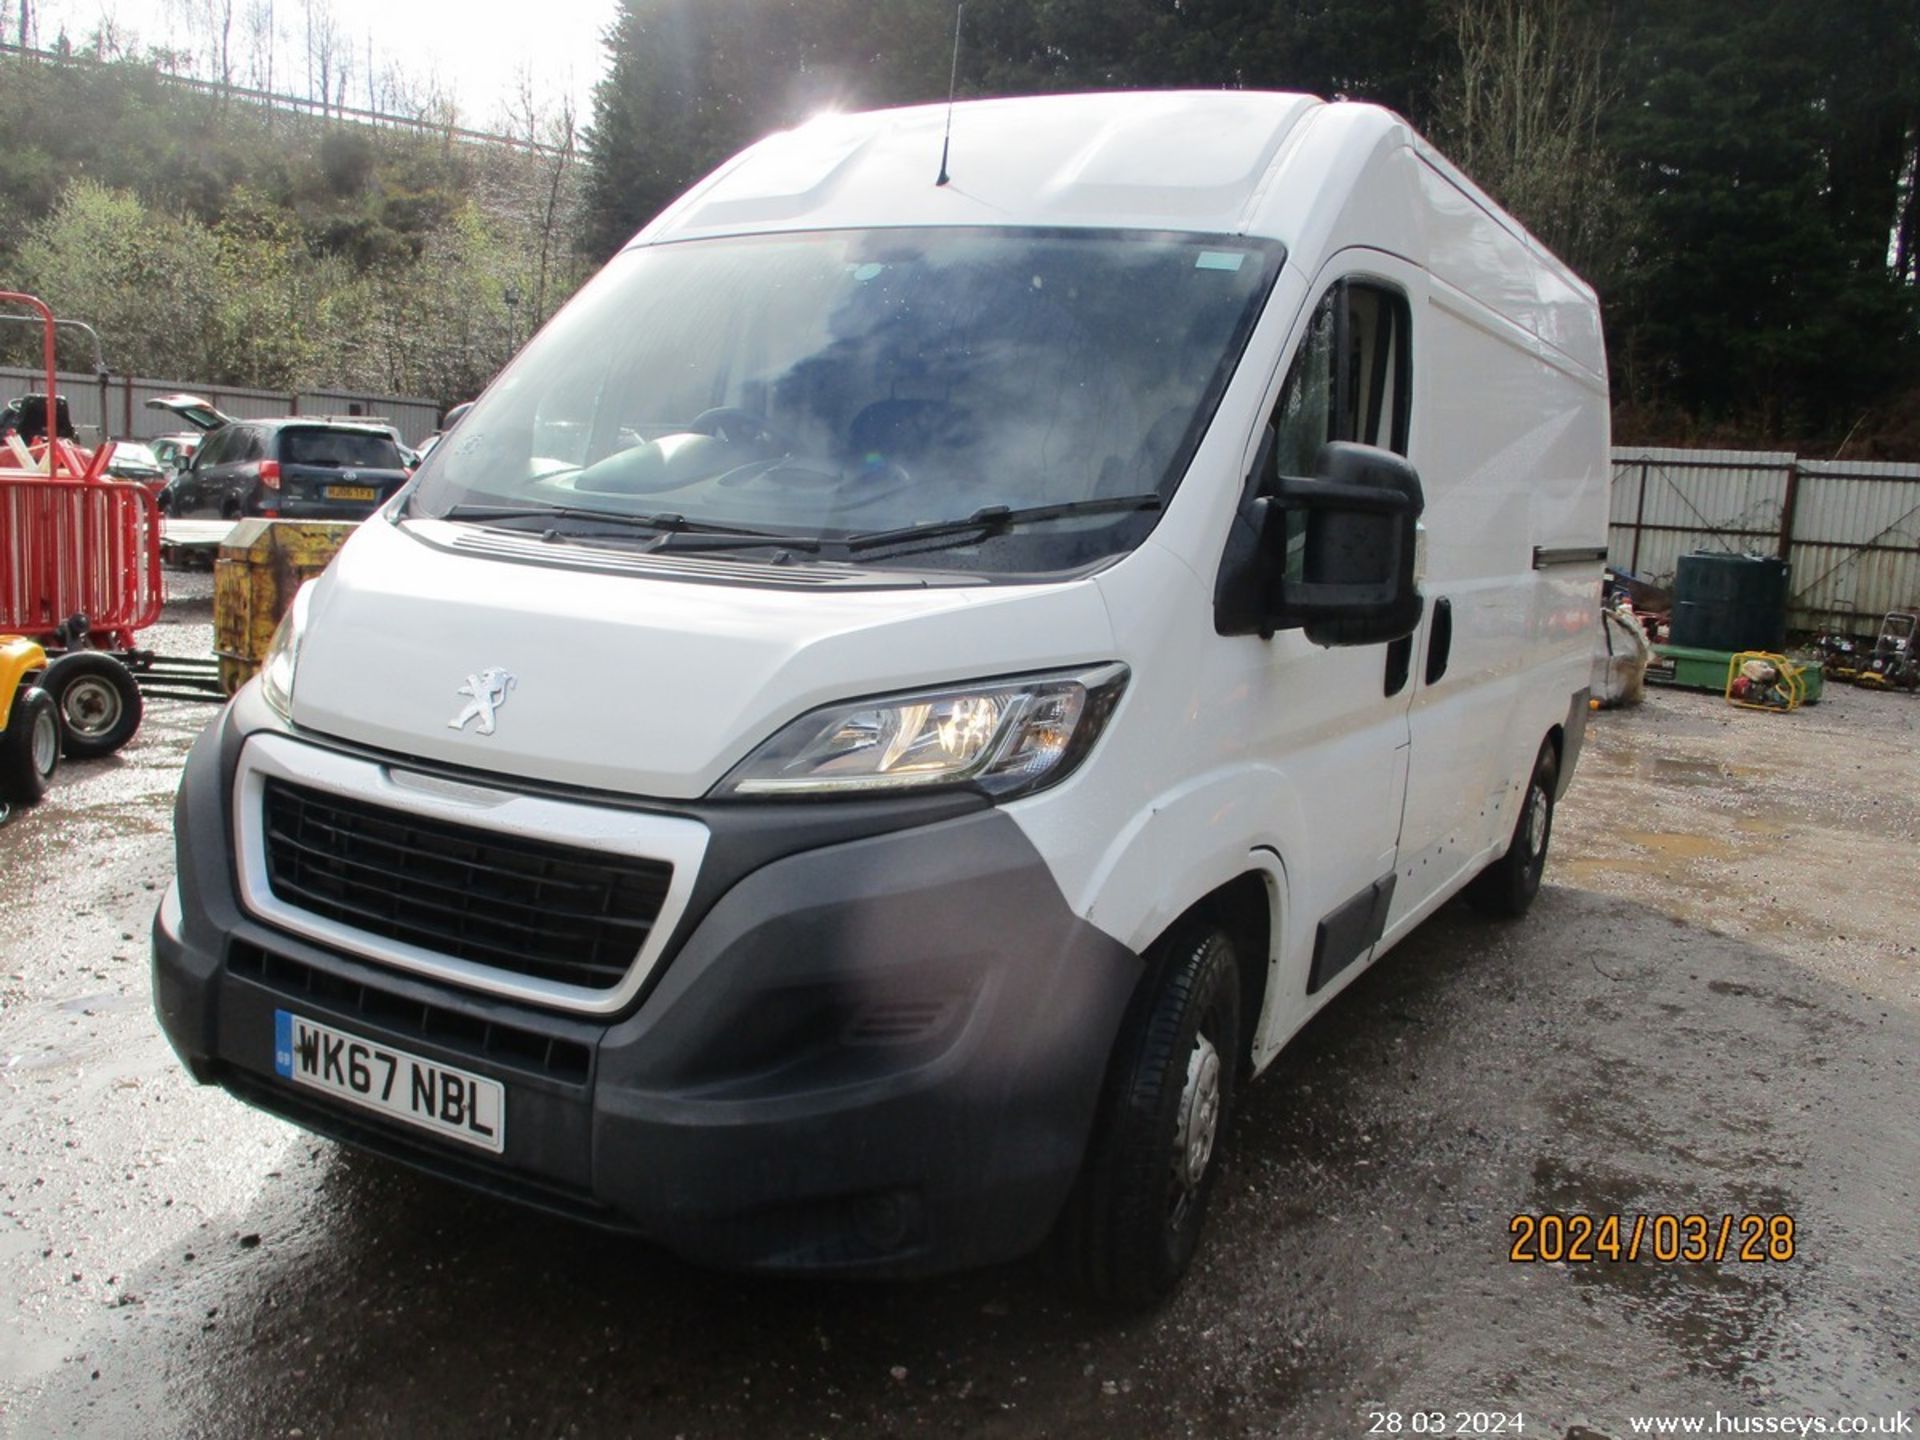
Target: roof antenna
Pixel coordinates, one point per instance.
(953, 77)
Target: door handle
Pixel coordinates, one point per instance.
(1400, 660)
(1440, 640)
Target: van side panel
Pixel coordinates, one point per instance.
(1510, 436)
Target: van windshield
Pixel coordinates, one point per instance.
(840, 384)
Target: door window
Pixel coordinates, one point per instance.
(1351, 380)
(213, 448)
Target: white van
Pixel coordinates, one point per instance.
(905, 695)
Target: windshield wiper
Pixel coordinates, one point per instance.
(998, 519)
(664, 523)
(672, 531)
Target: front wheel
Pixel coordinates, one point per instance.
(1507, 887)
(29, 747)
(1133, 1224)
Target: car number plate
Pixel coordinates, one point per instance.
(350, 492)
(449, 1102)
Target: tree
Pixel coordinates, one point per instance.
(144, 280)
(1763, 294)
(1521, 114)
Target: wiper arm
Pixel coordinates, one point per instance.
(997, 519)
(665, 524)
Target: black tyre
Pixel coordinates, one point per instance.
(29, 747)
(98, 700)
(1507, 887)
(1133, 1223)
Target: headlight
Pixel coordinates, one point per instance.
(283, 654)
(1003, 737)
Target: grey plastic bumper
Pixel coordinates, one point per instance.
(879, 1055)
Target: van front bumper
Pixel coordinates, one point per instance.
(878, 1055)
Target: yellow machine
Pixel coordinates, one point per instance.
(1761, 680)
(260, 566)
(29, 723)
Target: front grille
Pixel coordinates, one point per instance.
(553, 912)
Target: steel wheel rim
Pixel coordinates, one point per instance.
(91, 707)
(1199, 1127)
(1537, 821)
(45, 743)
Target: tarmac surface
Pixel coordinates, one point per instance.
(1713, 1009)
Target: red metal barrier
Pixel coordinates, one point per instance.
(71, 541)
(78, 547)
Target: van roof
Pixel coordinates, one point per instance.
(1247, 162)
(1187, 160)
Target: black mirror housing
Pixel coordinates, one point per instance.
(1332, 555)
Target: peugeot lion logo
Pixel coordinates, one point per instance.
(486, 693)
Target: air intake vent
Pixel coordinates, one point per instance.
(898, 1022)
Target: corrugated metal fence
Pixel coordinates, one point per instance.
(116, 404)
(1850, 529)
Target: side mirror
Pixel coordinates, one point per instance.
(1332, 555)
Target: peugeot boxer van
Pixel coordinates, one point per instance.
(905, 695)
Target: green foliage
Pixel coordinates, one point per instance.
(347, 158)
(229, 245)
(144, 281)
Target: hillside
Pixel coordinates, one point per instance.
(216, 239)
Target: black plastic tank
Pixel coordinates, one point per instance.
(1729, 602)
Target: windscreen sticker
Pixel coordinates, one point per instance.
(1220, 260)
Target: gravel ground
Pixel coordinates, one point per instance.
(1714, 1008)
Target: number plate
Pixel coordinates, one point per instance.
(350, 492)
(449, 1102)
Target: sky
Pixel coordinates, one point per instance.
(474, 49)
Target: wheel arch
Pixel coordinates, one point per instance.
(1248, 910)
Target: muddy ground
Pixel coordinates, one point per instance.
(1714, 1008)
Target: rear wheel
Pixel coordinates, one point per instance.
(1133, 1224)
(98, 700)
(29, 747)
(1507, 887)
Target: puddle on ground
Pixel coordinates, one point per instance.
(1712, 1313)
(1668, 849)
(1679, 769)
(1678, 845)
(1584, 871)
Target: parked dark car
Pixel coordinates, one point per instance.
(293, 468)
